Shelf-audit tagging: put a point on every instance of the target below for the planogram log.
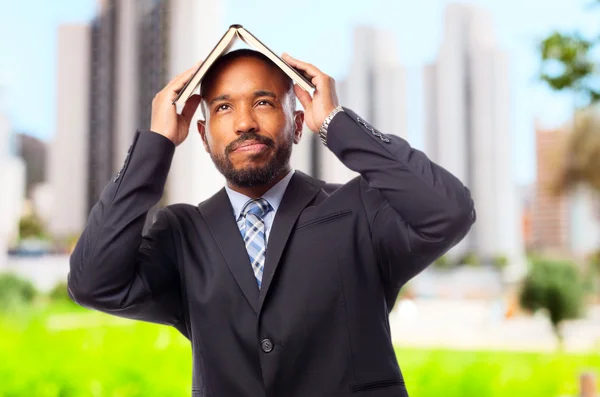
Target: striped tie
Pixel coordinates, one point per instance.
(252, 227)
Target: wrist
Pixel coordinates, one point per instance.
(325, 124)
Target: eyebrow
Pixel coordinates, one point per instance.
(256, 94)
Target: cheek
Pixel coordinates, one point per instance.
(217, 138)
(275, 126)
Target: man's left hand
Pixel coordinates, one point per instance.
(324, 99)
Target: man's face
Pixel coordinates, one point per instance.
(250, 126)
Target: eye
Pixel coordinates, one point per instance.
(263, 102)
(221, 107)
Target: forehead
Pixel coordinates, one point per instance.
(244, 76)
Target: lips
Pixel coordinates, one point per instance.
(250, 146)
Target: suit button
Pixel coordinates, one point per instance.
(266, 345)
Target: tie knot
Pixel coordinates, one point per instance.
(258, 207)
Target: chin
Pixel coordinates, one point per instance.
(253, 161)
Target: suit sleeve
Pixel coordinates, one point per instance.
(416, 209)
(114, 268)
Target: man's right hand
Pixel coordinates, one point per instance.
(165, 120)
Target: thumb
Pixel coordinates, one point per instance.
(191, 105)
(303, 96)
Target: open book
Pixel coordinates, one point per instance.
(234, 32)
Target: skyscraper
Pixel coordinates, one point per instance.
(566, 223)
(69, 153)
(137, 48)
(468, 123)
(109, 73)
(12, 175)
(374, 88)
(550, 211)
(194, 28)
(103, 100)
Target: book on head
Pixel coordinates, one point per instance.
(231, 35)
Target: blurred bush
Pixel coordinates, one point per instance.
(443, 263)
(60, 294)
(32, 227)
(499, 262)
(470, 259)
(555, 287)
(15, 292)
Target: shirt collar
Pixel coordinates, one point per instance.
(273, 195)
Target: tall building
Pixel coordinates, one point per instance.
(565, 223)
(33, 152)
(140, 46)
(103, 100)
(12, 175)
(550, 211)
(194, 28)
(129, 42)
(468, 128)
(109, 72)
(375, 88)
(69, 151)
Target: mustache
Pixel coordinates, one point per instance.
(249, 136)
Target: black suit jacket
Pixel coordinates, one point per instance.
(336, 259)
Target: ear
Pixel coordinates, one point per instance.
(298, 124)
(202, 131)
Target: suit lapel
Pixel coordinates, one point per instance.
(300, 191)
(218, 214)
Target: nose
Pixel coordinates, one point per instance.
(245, 121)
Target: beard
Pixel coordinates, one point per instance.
(254, 175)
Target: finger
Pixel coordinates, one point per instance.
(303, 96)
(179, 81)
(190, 107)
(310, 69)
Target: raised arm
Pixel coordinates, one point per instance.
(417, 210)
(114, 268)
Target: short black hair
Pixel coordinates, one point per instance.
(221, 62)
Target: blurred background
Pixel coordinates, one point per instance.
(504, 94)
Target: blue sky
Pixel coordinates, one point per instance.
(317, 31)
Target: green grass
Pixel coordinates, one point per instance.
(70, 352)
(493, 373)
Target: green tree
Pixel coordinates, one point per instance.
(30, 226)
(500, 261)
(555, 287)
(442, 263)
(568, 64)
(15, 292)
(470, 259)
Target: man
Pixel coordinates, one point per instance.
(282, 283)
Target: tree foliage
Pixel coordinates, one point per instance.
(581, 164)
(31, 226)
(569, 63)
(557, 288)
(15, 292)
